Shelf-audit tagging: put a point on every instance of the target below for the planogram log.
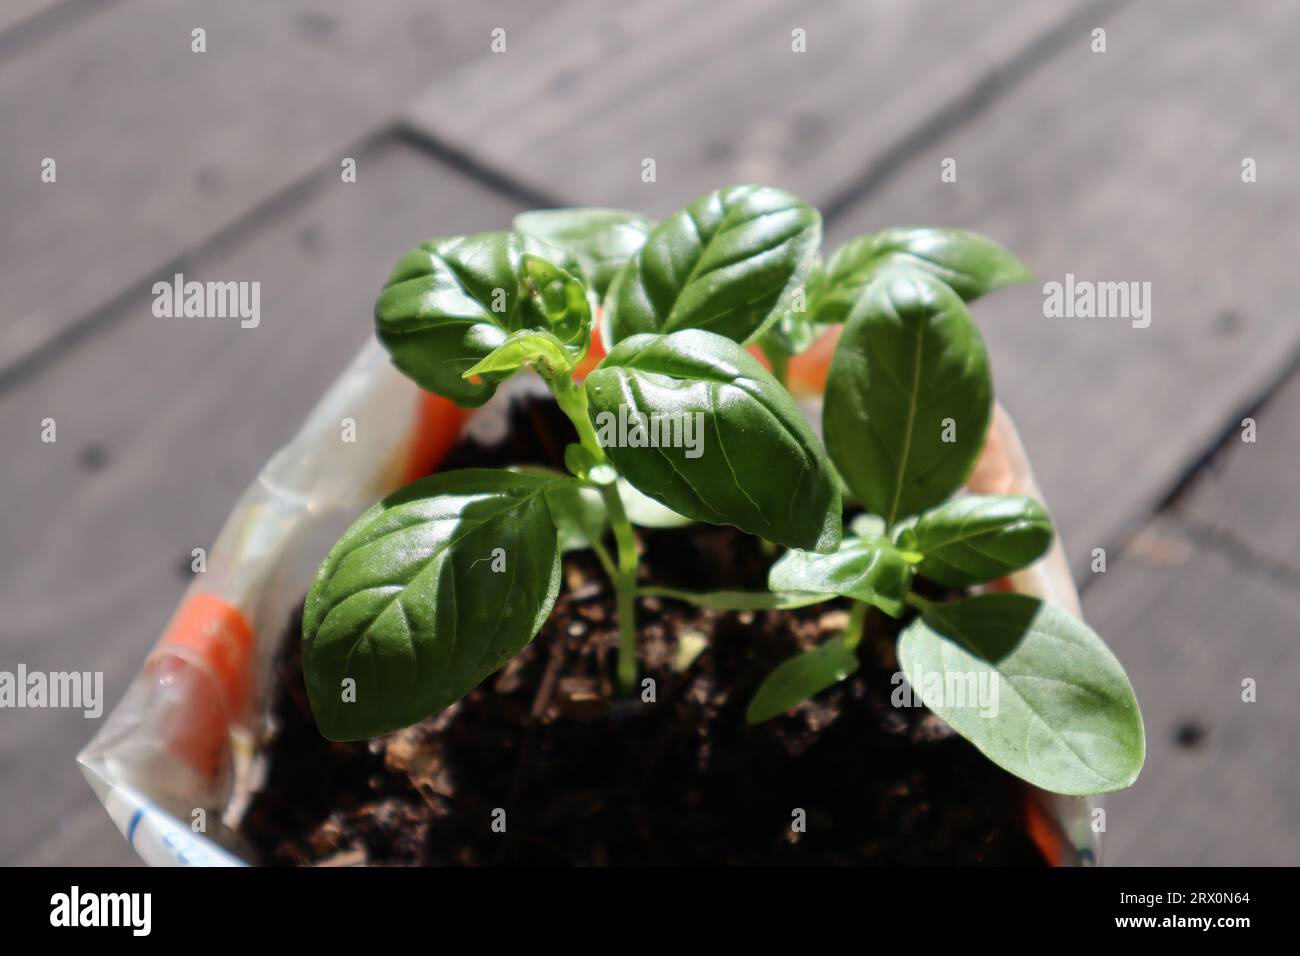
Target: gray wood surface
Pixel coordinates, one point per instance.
(158, 147)
(715, 94)
(1222, 778)
(15, 13)
(1116, 166)
(183, 414)
(1203, 598)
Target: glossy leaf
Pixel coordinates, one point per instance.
(600, 240)
(728, 263)
(428, 593)
(556, 298)
(542, 350)
(800, 678)
(979, 538)
(968, 262)
(910, 372)
(756, 464)
(865, 569)
(1063, 715)
(451, 302)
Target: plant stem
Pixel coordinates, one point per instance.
(606, 562)
(572, 399)
(624, 587)
(857, 618)
(920, 603)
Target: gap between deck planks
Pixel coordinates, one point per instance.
(1248, 494)
(1205, 596)
(186, 413)
(158, 148)
(1221, 785)
(715, 93)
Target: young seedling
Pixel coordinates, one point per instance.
(438, 585)
(907, 406)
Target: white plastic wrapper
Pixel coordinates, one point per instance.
(172, 763)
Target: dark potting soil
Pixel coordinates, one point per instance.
(584, 777)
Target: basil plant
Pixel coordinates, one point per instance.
(441, 583)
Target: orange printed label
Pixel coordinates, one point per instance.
(218, 635)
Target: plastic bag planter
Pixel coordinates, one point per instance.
(173, 763)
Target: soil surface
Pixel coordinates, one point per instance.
(585, 778)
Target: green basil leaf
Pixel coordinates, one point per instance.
(601, 240)
(869, 570)
(968, 262)
(557, 299)
(800, 678)
(1056, 708)
(428, 593)
(451, 302)
(729, 263)
(542, 350)
(908, 395)
(978, 538)
(695, 422)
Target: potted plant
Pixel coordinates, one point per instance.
(739, 621)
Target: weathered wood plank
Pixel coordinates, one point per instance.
(1127, 165)
(715, 94)
(177, 416)
(16, 13)
(158, 147)
(1250, 492)
(1221, 784)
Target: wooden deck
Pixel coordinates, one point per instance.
(1123, 166)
